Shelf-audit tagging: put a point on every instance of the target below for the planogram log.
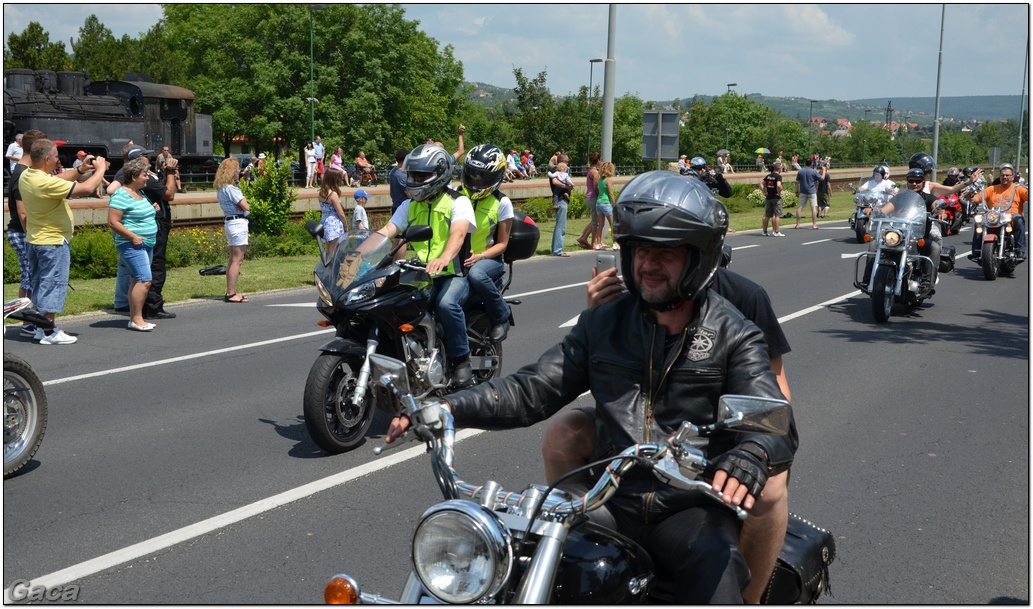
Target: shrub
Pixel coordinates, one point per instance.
(271, 199)
(577, 207)
(789, 199)
(756, 198)
(93, 254)
(12, 272)
(196, 246)
(538, 209)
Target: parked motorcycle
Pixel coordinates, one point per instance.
(998, 254)
(895, 273)
(381, 305)
(483, 544)
(25, 401)
(864, 203)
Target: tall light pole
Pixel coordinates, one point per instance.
(311, 70)
(810, 129)
(864, 138)
(591, 72)
(728, 115)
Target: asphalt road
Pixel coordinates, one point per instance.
(190, 478)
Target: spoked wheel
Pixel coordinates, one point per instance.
(991, 267)
(334, 423)
(882, 295)
(25, 413)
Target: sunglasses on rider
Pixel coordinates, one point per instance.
(915, 181)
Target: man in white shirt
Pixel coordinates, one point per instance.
(14, 152)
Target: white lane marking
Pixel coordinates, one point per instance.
(818, 241)
(745, 247)
(155, 544)
(161, 542)
(295, 304)
(857, 255)
(818, 307)
(183, 358)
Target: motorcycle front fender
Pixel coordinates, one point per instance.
(344, 347)
(989, 238)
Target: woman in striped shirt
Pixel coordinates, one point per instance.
(131, 218)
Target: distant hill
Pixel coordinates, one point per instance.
(952, 109)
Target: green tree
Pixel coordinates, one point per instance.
(534, 121)
(33, 50)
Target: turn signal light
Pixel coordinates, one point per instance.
(406, 328)
(867, 237)
(341, 590)
(921, 243)
(323, 323)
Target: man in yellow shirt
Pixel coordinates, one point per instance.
(1013, 198)
(48, 228)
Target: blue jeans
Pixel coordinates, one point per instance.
(1018, 227)
(122, 284)
(561, 225)
(482, 277)
(138, 259)
(50, 266)
(449, 295)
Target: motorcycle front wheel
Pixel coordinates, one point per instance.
(859, 230)
(25, 414)
(956, 225)
(334, 423)
(882, 295)
(991, 267)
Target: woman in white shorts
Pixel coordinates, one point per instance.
(236, 209)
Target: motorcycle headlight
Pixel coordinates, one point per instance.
(461, 552)
(978, 218)
(364, 291)
(993, 217)
(324, 295)
(1007, 218)
(891, 238)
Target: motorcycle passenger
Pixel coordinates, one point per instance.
(1012, 198)
(953, 176)
(428, 169)
(879, 182)
(674, 348)
(714, 180)
(483, 171)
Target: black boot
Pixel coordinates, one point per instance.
(462, 372)
(499, 332)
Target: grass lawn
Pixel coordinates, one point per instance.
(265, 274)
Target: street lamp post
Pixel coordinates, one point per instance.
(311, 70)
(728, 115)
(591, 72)
(810, 129)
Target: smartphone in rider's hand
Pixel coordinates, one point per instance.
(605, 260)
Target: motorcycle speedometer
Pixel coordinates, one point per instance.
(461, 552)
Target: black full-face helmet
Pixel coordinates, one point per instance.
(428, 169)
(665, 209)
(923, 161)
(483, 170)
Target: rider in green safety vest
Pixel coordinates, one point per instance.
(428, 169)
(483, 171)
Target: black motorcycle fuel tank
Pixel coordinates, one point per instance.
(601, 566)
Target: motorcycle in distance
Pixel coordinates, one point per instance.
(895, 273)
(998, 254)
(381, 305)
(950, 212)
(482, 544)
(864, 203)
(25, 401)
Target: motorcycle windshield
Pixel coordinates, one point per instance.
(906, 206)
(357, 253)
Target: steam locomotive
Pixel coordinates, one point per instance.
(101, 117)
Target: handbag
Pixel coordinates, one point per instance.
(801, 574)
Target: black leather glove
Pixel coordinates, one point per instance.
(747, 463)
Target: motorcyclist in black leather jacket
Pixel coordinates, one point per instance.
(714, 180)
(672, 348)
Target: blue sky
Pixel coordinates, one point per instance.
(818, 51)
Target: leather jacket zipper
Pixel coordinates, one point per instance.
(651, 403)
